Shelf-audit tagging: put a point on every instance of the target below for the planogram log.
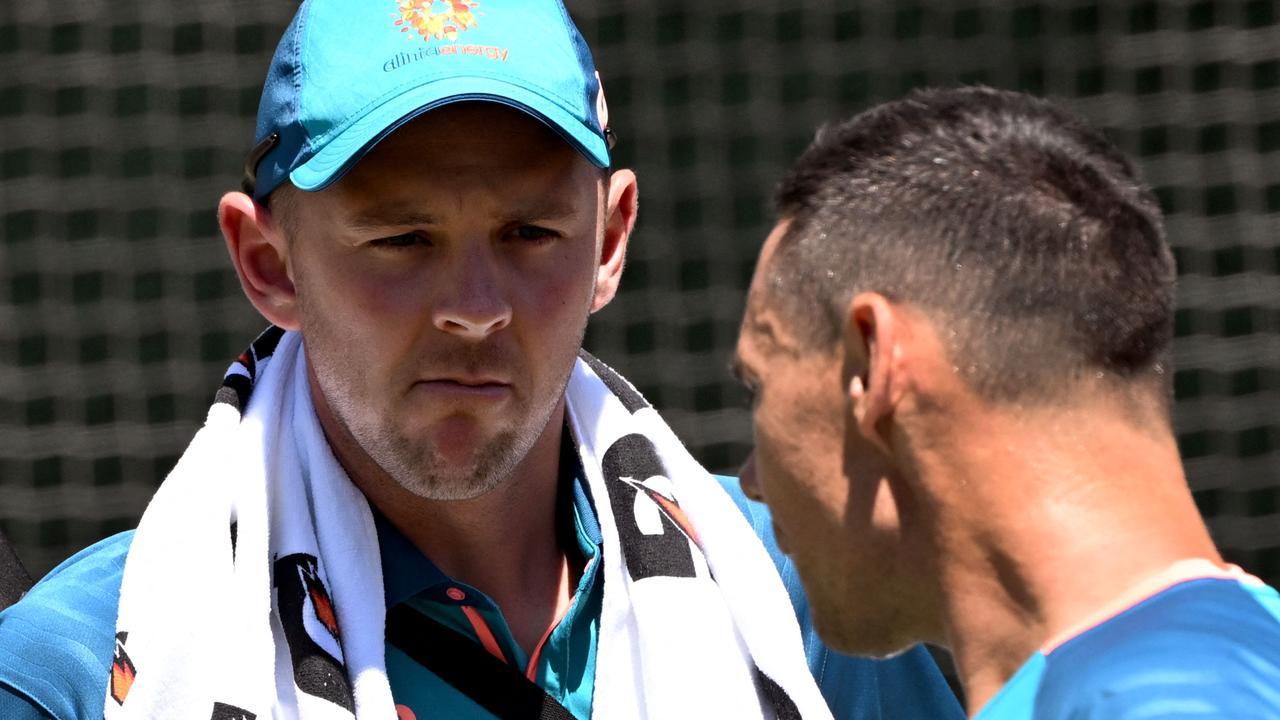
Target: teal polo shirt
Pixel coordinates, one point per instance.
(565, 665)
(1204, 648)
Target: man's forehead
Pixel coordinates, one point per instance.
(426, 210)
(759, 336)
(764, 329)
(471, 150)
(764, 263)
(469, 134)
(760, 296)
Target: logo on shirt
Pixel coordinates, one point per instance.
(438, 19)
(122, 670)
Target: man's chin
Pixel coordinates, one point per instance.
(457, 468)
(460, 442)
(874, 650)
(459, 457)
(451, 483)
(864, 637)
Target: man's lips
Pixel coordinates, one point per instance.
(464, 388)
(468, 380)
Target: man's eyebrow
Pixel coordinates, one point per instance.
(377, 217)
(390, 216)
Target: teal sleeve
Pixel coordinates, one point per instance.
(57, 642)
(907, 686)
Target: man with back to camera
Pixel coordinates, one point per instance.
(959, 338)
(413, 496)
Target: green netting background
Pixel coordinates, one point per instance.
(122, 122)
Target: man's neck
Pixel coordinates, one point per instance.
(1045, 523)
(506, 543)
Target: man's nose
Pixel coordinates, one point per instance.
(747, 479)
(474, 305)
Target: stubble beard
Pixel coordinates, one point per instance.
(876, 619)
(420, 470)
(413, 462)
(415, 465)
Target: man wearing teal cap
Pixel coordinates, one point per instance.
(415, 496)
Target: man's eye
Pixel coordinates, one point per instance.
(533, 233)
(400, 241)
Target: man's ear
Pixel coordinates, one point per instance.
(620, 218)
(871, 373)
(259, 251)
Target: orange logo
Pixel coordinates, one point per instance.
(122, 671)
(453, 17)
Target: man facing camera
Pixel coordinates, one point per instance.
(959, 337)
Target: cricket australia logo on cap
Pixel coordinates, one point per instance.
(441, 19)
(602, 107)
(439, 23)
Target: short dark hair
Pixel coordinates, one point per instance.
(283, 206)
(1016, 224)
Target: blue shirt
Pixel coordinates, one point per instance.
(1204, 648)
(566, 660)
(56, 644)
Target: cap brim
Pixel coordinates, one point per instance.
(348, 146)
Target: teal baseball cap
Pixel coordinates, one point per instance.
(347, 74)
